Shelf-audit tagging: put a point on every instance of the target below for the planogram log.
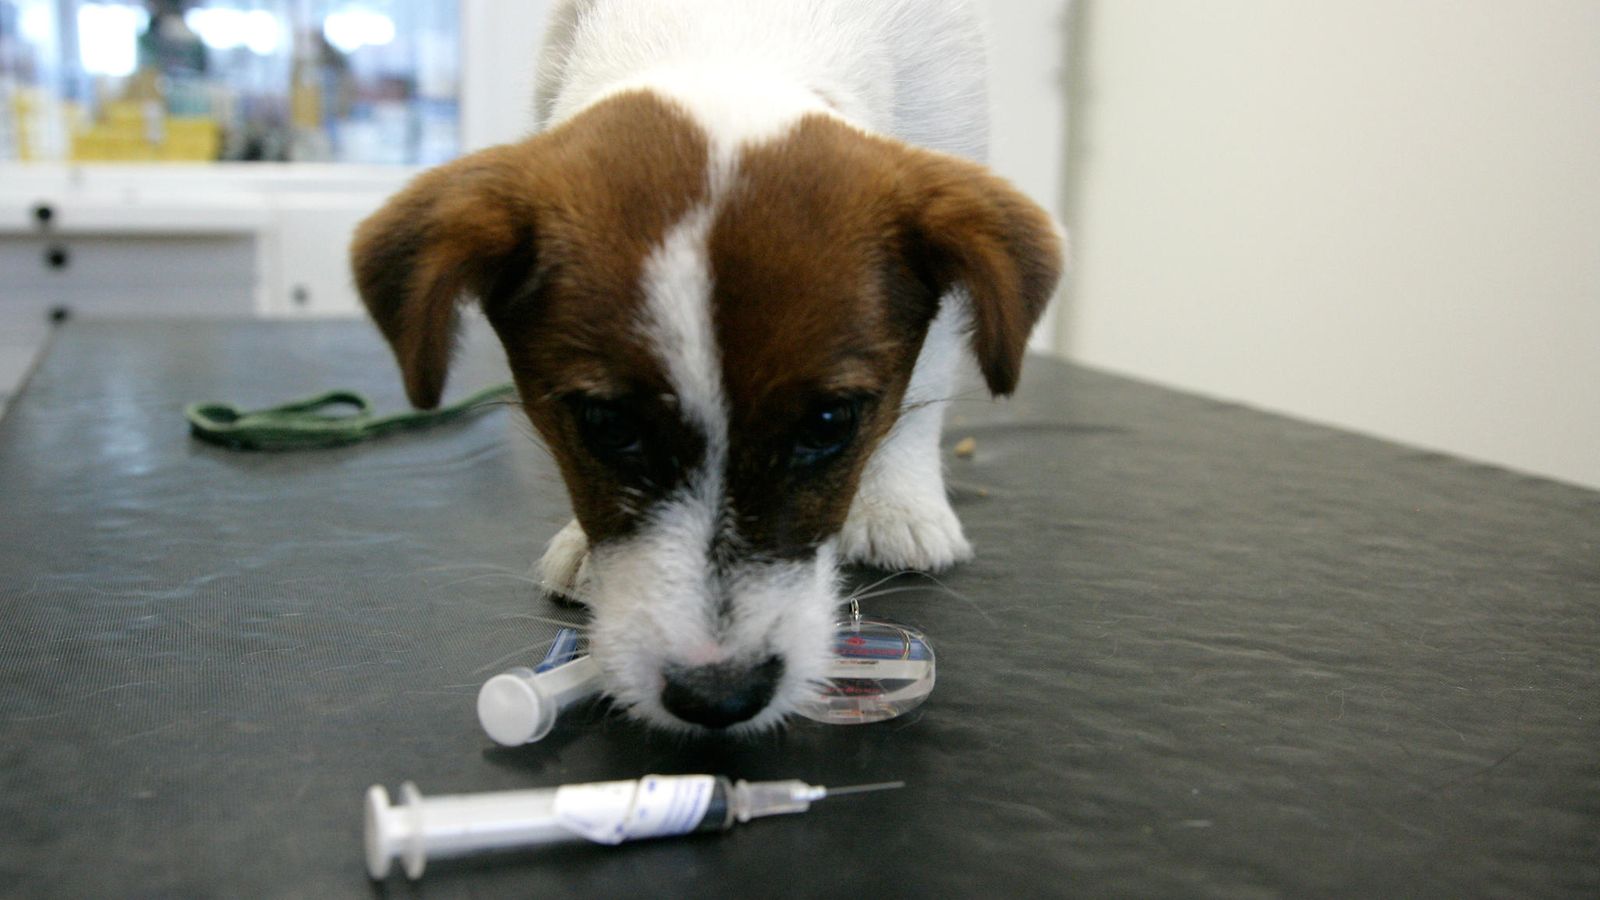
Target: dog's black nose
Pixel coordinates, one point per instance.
(721, 694)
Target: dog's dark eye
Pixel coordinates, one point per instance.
(612, 433)
(825, 431)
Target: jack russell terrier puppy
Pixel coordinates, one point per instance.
(734, 273)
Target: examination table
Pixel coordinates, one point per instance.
(1203, 651)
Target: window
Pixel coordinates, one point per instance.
(198, 80)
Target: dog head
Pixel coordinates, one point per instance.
(712, 339)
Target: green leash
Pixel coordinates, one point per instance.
(313, 423)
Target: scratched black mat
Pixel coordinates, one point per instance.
(1203, 651)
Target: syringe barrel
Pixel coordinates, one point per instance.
(520, 706)
(420, 829)
(448, 826)
(567, 684)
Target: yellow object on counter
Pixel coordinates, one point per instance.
(132, 131)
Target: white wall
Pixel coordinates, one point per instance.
(501, 39)
(1375, 214)
(1028, 107)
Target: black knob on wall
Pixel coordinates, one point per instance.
(57, 256)
(43, 213)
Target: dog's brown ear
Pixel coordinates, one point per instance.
(448, 235)
(971, 228)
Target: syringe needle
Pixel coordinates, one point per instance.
(863, 788)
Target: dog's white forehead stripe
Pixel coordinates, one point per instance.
(677, 322)
(677, 276)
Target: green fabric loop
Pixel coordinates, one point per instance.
(331, 419)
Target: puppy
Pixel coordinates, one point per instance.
(734, 273)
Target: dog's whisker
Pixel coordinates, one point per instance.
(858, 593)
(914, 573)
(867, 592)
(530, 617)
(523, 577)
(514, 576)
(537, 441)
(459, 567)
(526, 652)
(976, 395)
(903, 589)
(976, 606)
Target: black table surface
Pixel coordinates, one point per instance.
(1203, 651)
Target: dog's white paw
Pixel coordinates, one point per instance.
(564, 567)
(920, 533)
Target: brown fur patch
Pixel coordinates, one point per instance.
(551, 235)
(829, 261)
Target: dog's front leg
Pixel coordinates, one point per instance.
(564, 567)
(901, 517)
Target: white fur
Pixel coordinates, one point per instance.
(745, 71)
(649, 596)
(911, 69)
(901, 517)
(677, 322)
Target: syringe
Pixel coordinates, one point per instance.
(605, 812)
